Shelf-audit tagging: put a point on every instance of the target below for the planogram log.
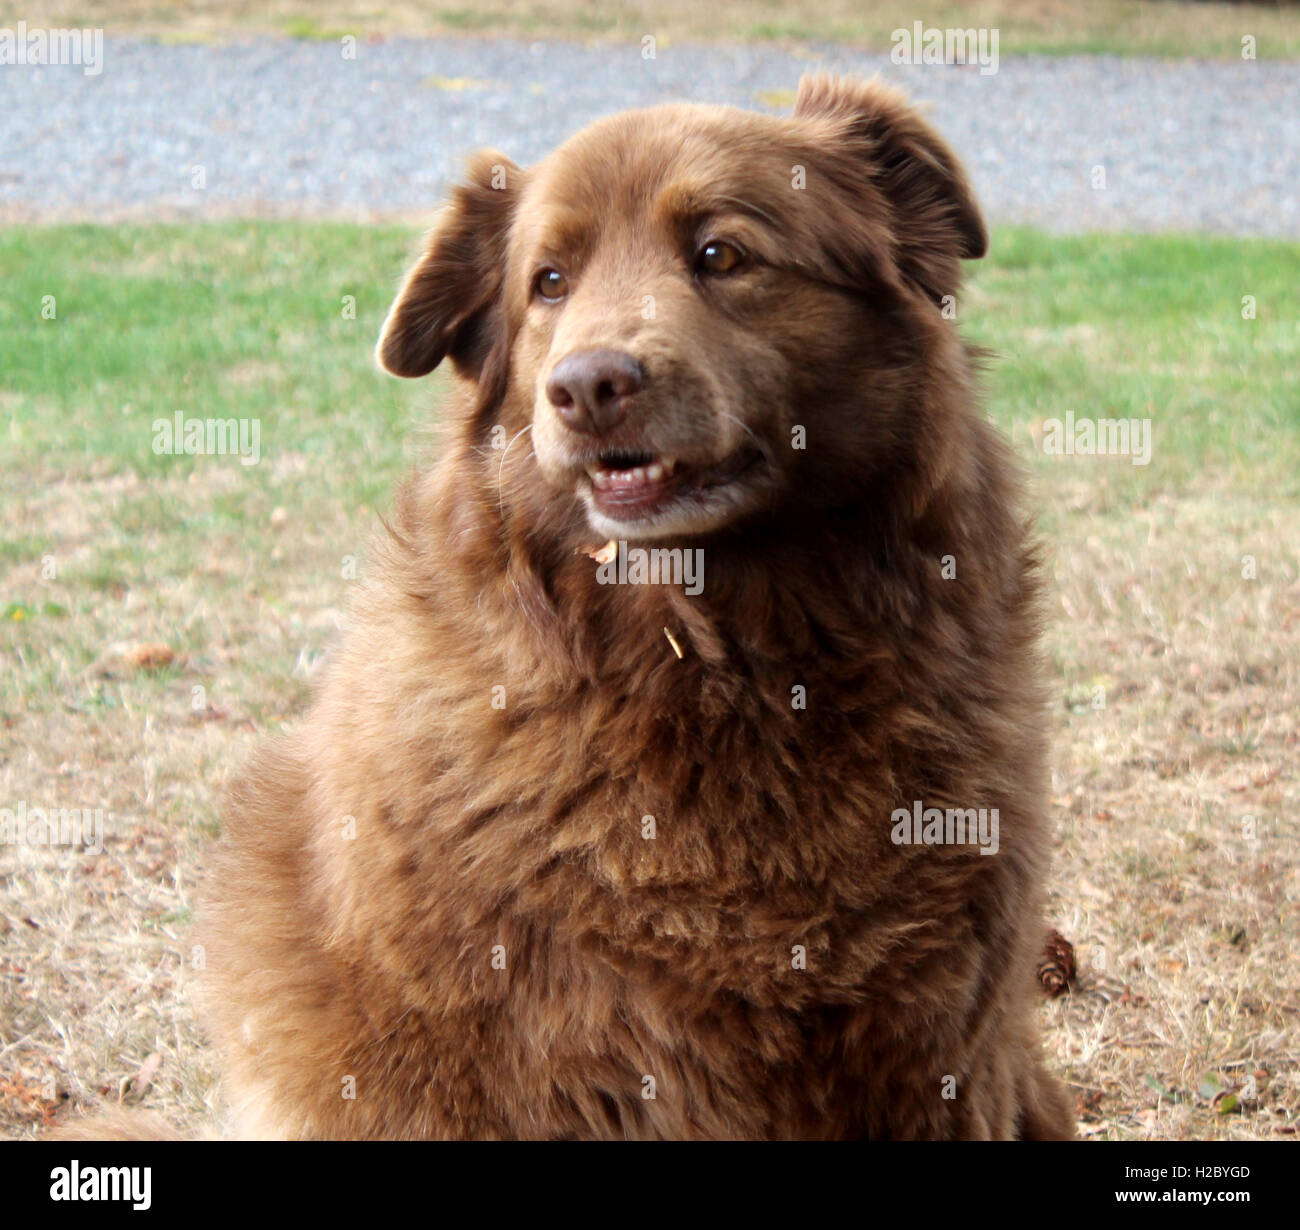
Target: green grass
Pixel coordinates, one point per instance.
(238, 321)
(246, 320)
(243, 321)
(1143, 326)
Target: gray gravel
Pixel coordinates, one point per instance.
(285, 127)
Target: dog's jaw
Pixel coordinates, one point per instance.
(672, 502)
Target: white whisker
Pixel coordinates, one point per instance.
(742, 427)
(501, 499)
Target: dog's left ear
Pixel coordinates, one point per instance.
(449, 305)
(871, 127)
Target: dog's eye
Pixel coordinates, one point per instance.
(551, 284)
(718, 256)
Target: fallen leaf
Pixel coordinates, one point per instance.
(1168, 1094)
(603, 555)
(19, 611)
(132, 656)
(148, 656)
(1212, 1086)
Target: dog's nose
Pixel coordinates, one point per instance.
(589, 388)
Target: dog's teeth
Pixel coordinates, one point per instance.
(669, 464)
(603, 477)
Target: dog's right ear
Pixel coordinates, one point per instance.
(449, 304)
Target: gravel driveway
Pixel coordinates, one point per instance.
(286, 127)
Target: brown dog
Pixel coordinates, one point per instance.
(560, 858)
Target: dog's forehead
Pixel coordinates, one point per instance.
(626, 163)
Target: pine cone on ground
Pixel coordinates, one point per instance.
(1056, 968)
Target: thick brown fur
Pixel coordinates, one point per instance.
(377, 860)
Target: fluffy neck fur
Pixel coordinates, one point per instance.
(815, 588)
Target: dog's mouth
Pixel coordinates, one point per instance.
(629, 486)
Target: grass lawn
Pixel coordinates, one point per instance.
(1119, 27)
(1174, 607)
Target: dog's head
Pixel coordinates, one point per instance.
(699, 312)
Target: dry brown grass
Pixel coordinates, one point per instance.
(1125, 27)
(1185, 931)
(95, 951)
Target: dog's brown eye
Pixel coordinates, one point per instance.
(718, 257)
(552, 284)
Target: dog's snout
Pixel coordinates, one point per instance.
(589, 389)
